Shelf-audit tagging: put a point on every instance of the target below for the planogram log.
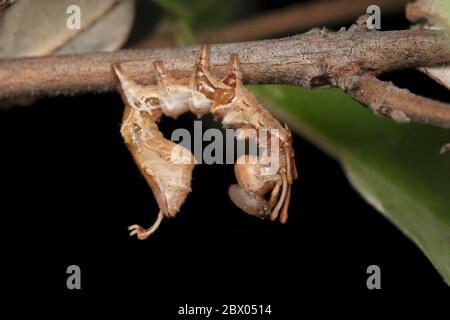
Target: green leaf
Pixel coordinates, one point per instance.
(184, 36)
(443, 7)
(396, 168)
(189, 16)
(200, 14)
(177, 8)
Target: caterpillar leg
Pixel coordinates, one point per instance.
(214, 91)
(234, 76)
(202, 80)
(291, 174)
(281, 199)
(142, 233)
(274, 195)
(136, 96)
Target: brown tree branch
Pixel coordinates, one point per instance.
(349, 59)
(308, 60)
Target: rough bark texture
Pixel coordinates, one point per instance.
(311, 59)
(398, 104)
(4, 4)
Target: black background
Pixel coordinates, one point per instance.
(70, 189)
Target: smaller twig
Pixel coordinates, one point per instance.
(388, 100)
